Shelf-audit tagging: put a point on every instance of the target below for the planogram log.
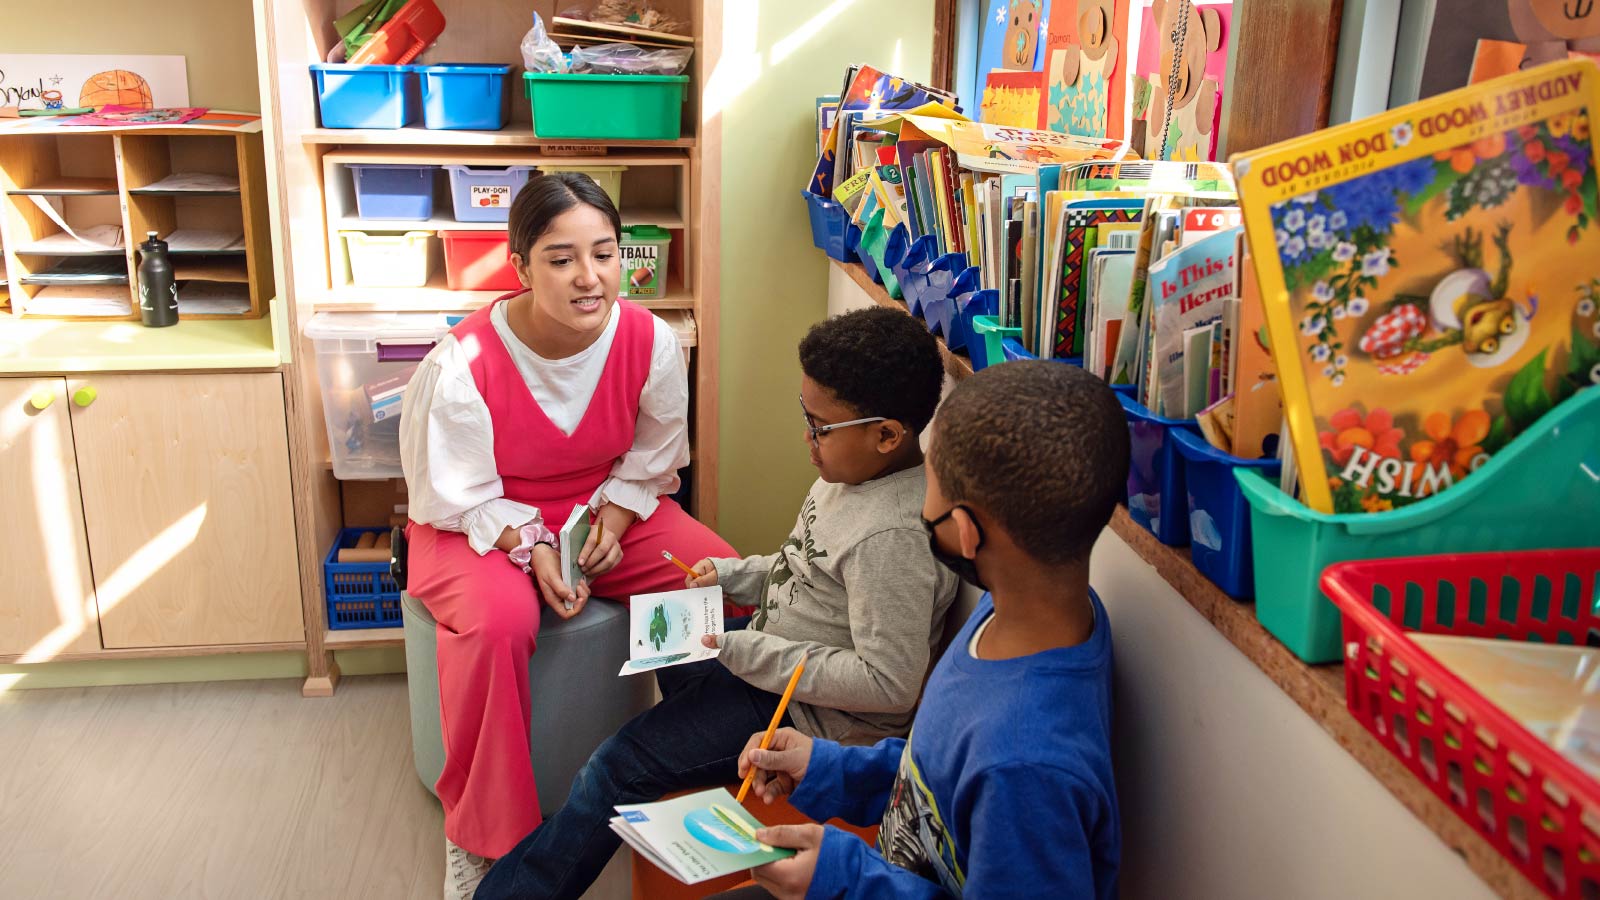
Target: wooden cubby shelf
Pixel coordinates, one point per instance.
(99, 178)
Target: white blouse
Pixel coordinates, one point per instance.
(447, 437)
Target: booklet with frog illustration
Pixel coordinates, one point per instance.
(665, 629)
(696, 837)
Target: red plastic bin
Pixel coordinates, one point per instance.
(1534, 806)
(478, 261)
(411, 30)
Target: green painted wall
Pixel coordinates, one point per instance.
(778, 56)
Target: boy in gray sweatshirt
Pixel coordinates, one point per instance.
(855, 589)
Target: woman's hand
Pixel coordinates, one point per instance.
(602, 551)
(565, 600)
(705, 575)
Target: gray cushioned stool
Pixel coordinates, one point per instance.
(578, 699)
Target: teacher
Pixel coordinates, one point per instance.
(548, 398)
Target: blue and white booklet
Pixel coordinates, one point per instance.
(696, 837)
(665, 629)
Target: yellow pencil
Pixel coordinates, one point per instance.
(667, 555)
(772, 727)
(599, 530)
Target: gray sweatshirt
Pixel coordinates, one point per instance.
(857, 591)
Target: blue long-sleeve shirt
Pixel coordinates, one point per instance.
(1004, 788)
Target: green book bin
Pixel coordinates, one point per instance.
(1541, 491)
(606, 107)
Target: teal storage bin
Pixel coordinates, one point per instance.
(1541, 491)
(606, 107)
(874, 240)
(994, 335)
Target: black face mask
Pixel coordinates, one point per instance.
(965, 569)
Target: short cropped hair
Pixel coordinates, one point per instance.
(1040, 446)
(880, 361)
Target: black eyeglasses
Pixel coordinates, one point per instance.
(814, 431)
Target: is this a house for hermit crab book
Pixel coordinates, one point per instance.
(1430, 278)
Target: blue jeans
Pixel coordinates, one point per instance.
(691, 739)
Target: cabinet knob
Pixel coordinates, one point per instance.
(42, 400)
(85, 395)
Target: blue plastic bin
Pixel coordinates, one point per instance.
(458, 96)
(485, 194)
(965, 307)
(401, 193)
(829, 225)
(909, 260)
(359, 595)
(934, 289)
(1155, 475)
(1013, 350)
(1219, 517)
(351, 96)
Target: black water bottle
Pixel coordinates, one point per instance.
(158, 290)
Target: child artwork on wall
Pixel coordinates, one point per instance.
(1086, 59)
(1004, 41)
(1183, 56)
(1012, 98)
(1489, 38)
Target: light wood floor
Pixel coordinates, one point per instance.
(219, 790)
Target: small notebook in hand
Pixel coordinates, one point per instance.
(573, 535)
(696, 837)
(665, 629)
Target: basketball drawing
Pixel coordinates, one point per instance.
(118, 87)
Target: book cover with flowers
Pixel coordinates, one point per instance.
(1431, 276)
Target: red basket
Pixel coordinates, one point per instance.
(1537, 808)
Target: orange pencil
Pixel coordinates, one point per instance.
(772, 727)
(667, 555)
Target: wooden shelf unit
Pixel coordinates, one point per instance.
(91, 177)
(673, 184)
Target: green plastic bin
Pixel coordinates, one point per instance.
(874, 240)
(606, 107)
(1542, 491)
(994, 336)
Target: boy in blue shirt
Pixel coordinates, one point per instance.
(1004, 787)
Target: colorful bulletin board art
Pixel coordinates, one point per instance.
(1084, 64)
(1189, 133)
(1473, 42)
(54, 80)
(1012, 99)
(1006, 43)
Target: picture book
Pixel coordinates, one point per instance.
(1180, 119)
(1189, 289)
(1429, 281)
(1085, 68)
(1012, 98)
(1551, 690)
(870, 93)
(571, 538)
(1257, 404)
(827, 111)
(665, 629)
(1077, 238)
(696, 837)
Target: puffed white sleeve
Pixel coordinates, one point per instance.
(661, 433)
(447, 453)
